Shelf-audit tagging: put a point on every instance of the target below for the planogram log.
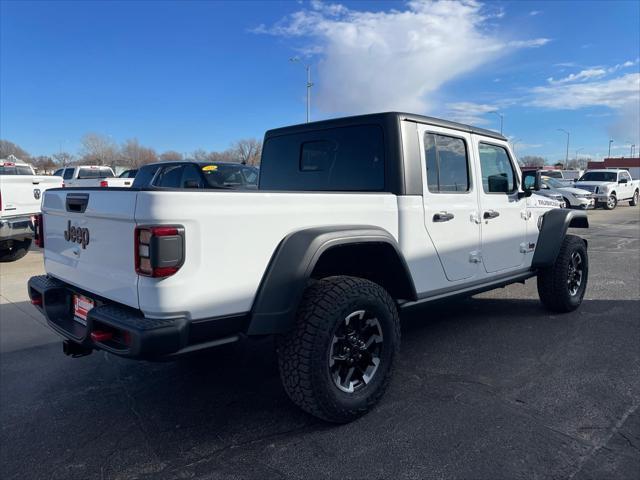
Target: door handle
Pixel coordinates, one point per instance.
(489, 214)
(443, 217)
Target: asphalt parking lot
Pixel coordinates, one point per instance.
(491, 387)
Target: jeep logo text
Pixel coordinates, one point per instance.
(77, 235)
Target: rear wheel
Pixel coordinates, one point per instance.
(336, 362)
(612, 202)
(634, 200)
(14, 250)
(561, 287)
(567, 203)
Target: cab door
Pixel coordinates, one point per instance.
(450, 200)
(503, 211)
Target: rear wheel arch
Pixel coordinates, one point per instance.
(319, 252)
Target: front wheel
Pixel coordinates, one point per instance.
(634, 201)
(612, 202)
(14, 250)
(561, 287)
(336, 362)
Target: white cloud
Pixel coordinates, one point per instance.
(589, 73)
(533, 13)
(469, 112)
(613, 93)
(396, 59)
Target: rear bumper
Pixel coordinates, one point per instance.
(129, 333)
(16, 228)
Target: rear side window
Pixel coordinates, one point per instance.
(498, 175)
(447, 163)
(58, 173)
(68, 174)
(85, 173)
(335, 159)
(169, 177)
(144, 176)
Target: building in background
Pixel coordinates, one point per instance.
(626, 163)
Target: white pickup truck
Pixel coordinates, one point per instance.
(609, 187)
(20, 195)
(92, 176)
(354, 220)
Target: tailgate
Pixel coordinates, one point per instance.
(20, 194)
(88, 241)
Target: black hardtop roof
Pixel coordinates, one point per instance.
(196, 162)
(383, 118)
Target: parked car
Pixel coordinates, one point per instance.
(558, 175)
(192, 174)
(91, 176)
(610, 187)
(20, 195)
(571, 196)
(354, 220)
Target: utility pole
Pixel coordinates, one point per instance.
(566, 158)
(501, 120)
(309, 85)
(610, 142)
(633, 147)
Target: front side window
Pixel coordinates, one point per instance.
(626, 176)
(58, 173)
(498, 175)
(447, 164)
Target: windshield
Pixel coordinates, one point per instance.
(15, 170)
(95, 173)
(599, 177)
(128, 174)
(552, 182)
(223, 175)
(553, 174)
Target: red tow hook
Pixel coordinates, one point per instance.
(99, 336)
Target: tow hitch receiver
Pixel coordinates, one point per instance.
(75, 350)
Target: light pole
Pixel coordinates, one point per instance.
(610, 142)
(309, 85)
(578, 150)
(566, 158)
(633, 148)
(501, 120)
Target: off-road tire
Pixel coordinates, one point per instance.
(634, 200)
(303, 353)
(16, 250)
(567, 203)
(553, 287)
(611, 203)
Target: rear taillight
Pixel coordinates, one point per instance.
(104, 183)
(38, 228)
(159, 250)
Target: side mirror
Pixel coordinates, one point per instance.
(530, 182)
(623, 180)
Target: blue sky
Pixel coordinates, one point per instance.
(187, 75)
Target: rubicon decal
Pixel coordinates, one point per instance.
(77, 234)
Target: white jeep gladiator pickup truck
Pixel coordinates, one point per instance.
(610, 187)
(20, 195)
(354, 220)
(92, 176)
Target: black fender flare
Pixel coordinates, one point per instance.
(291, 266)
(555, 224)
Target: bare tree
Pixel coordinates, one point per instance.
(247, 151)
(225, 156)
(63, 158)
(135, 155)
(43, 164)
(98, 149)
(9, 148)
(199, 155)
(532, 161)
(171, 156)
